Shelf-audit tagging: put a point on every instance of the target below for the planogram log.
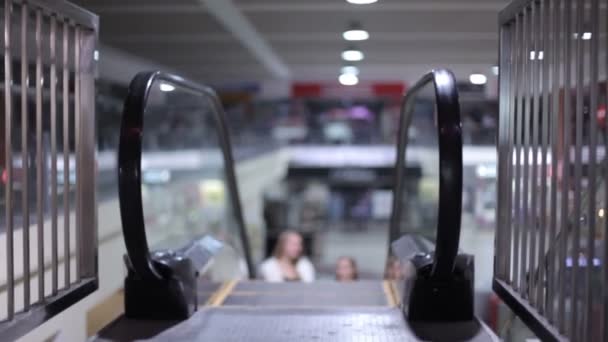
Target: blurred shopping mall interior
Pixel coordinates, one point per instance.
(313, 97)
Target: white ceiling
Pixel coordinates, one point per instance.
(260, 40)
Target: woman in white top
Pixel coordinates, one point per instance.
(287, 262)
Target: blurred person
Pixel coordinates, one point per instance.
(394, 269)
(287, 262)
(346, 269)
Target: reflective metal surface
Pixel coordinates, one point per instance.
(45, 151)
(551, 232)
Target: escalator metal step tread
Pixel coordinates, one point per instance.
(269, 325)
(319, 294)
(319, 286)
(305, 301)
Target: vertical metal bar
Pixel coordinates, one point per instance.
(555, 86)
(540, 282)
(566, 162)
(518, 106)
(53, 85)
(512, 153)
(593, 182)
(526, 154)
(604, 262)
(39, 156)
(578, 62)
(77, 147)
(25, 203)
(604, 164)
(66, 153)
(499, 237)
(502, 240)
(533, 213)
(88, 211)
(8, 137)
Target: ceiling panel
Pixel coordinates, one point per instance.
(374, 22)
(118, 24)
(406, 36)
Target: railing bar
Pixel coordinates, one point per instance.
(526, 153)
(512, 154)
(604, 261)
(555, 83)
(518, 149)
(552, 253)
(565, 165)
(54, 209)
(499, 236)
(533, 214)
(77, 148)
(66, 153)
(25, 203)
(578, 62)
(593, 88)
(39, 156)
(506, 53)
(540, 279)
(8, 137)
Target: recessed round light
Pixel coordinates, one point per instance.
(348, 79)
(355, 34)
(478, 79)
(361, 2)
(352, 55)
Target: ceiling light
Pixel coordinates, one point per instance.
(96, 55)
(348, 79)
(495, 70)
(350, 69)
(356, 34)
(166, 87)
(478, 79)
(361, 2)
(352, 55)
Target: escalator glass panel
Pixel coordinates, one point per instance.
(184, 192)
(421, 190)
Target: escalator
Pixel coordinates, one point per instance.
(195, 281)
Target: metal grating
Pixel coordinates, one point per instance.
(48, 208)
(551, 251)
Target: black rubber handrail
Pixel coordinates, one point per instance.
(450, 167)
(129, 169)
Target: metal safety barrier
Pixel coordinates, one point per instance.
(48, 206)
(551, 247)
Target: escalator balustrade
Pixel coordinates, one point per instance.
(173, 289)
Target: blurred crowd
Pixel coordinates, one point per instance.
(289, 264)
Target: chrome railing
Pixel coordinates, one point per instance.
(48, 162)
(550, 264)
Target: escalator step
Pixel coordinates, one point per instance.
(268, 325)
(319, 294)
